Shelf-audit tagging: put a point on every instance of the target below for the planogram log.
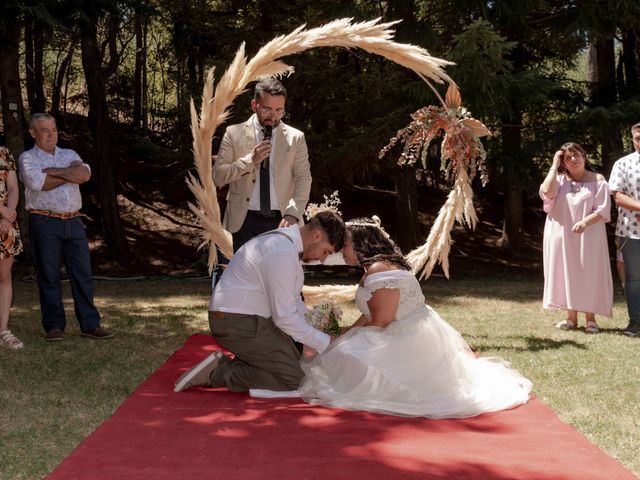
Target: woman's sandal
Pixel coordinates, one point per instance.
(566, 325)
(592, 327)
(10, 341)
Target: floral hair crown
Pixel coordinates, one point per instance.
(376, 223)
(330, 204)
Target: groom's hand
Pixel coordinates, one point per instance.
(308, 353)
(287, 221)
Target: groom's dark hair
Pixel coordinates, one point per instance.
(332, 224)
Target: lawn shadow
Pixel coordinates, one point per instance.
(533, 344)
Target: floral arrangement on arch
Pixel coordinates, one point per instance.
(371, 36)
(462, 154)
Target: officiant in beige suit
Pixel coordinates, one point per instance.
(266, 165)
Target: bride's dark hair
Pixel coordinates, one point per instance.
(372, 244)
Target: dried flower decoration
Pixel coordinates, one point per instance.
(372, 36)
(331, 204)
(462, 153)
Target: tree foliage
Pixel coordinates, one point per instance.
(522, 68)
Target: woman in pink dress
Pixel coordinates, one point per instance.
(577, 269)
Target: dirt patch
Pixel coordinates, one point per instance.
(164, 237)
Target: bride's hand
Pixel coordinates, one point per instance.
(308, 353)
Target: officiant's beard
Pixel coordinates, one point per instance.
(274, 122)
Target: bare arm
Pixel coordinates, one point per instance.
(8, 212)
(383, 306)
(549, 185)
(74, 173)
(587, 221)
(626, 201)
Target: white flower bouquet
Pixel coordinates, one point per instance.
(325, 316)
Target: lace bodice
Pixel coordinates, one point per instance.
(411, 297)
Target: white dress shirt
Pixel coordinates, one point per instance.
(65, 198)
(265, 278)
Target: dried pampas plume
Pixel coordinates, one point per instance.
(372, 36)
(335, 293)
(462, 153)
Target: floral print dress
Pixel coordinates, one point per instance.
(11, 245)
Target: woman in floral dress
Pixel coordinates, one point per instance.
(10, 243)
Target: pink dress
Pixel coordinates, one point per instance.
(577, 268)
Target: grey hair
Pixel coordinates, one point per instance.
(39, 116)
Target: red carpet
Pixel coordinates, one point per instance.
(206, 433)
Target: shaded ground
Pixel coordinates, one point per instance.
(164, 237)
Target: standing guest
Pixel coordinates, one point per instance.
(10, 243)
(256, 311)
(266, 165)
(52, 176)
(577, 269)
(625, 185)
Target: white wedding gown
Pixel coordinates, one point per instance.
(417, 366)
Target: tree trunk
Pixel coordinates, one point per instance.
(406, 207)
(512, 227)
(56, 92)
(631, 68)
(34, 46)
(100, 128)
(405, 177)
(601, 76)
(140, 72)
(137, 73)
(11, 94)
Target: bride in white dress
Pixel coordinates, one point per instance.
(400, 357)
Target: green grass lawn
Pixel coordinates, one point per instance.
(52, 396)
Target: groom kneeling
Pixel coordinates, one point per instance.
(256, 310)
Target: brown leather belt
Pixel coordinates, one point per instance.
(61, 215)
(218, 315)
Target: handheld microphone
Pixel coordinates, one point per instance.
(267, 130)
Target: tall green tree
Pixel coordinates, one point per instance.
(96, 72)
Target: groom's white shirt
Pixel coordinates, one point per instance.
(265, 277)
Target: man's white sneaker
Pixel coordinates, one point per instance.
(199, 374)
(262, 393)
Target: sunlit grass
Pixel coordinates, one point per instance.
(52, 396)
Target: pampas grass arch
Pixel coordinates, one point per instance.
(372, 36)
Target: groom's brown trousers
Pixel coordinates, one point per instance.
(265, 357)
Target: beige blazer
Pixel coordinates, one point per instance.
(233, 166)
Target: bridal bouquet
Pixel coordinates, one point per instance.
(325, 316)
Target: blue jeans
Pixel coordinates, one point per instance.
(53, 241)
(631, 257)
